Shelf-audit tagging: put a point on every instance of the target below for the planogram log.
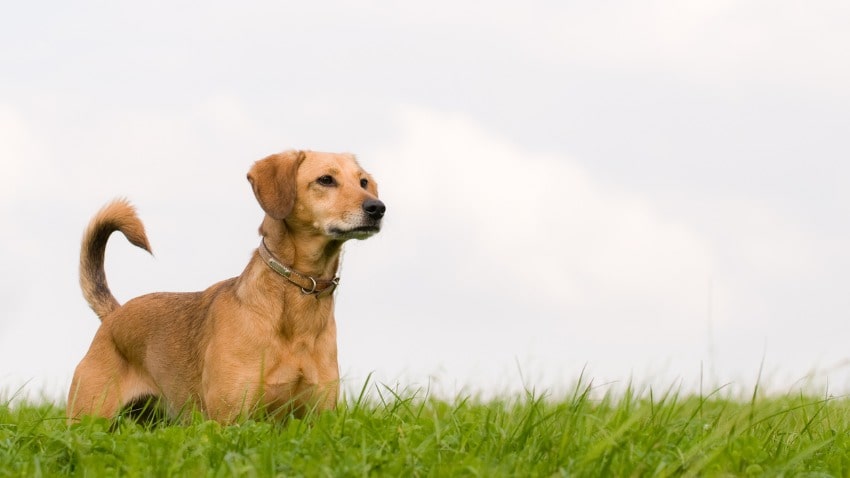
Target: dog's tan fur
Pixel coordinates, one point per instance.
(253, 342)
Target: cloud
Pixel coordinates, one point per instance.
(538, 222)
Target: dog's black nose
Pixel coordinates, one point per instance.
(374, 208)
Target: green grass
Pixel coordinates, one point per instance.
(399, 434)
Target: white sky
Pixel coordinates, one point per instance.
(637, 189)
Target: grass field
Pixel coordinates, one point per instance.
(646, 434)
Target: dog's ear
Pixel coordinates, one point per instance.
(273, 181)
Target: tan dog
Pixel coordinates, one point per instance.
(262, 341)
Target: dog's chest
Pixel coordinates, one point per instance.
(299, 358)
(302, 359)
(302, 373)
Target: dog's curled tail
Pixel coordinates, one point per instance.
(118, 215)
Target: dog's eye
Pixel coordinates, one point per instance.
(364, 183)
(326, 180)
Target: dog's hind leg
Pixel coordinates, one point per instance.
(96, 389)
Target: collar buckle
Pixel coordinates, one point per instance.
(287, 272)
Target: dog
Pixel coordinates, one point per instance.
(264, 341)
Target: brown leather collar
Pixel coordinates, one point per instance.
(309, 285)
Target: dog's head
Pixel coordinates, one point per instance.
(323, 192)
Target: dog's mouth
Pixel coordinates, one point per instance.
(360, 232)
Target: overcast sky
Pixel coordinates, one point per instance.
(639, 190)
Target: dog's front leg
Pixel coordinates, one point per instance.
(228, 395)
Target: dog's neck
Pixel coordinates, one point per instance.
(305, 251)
